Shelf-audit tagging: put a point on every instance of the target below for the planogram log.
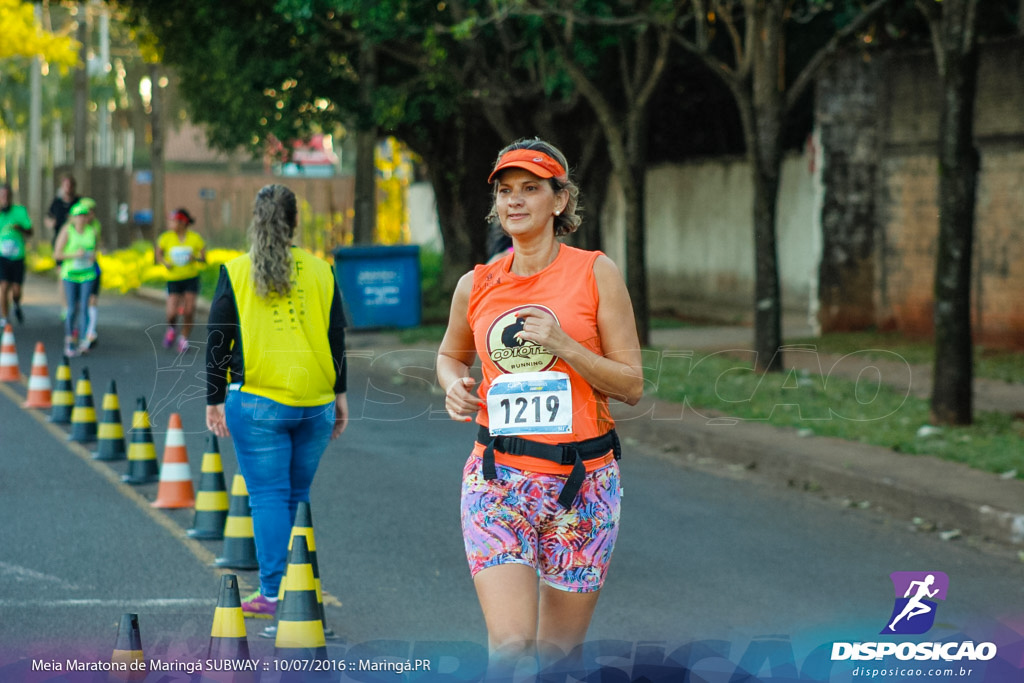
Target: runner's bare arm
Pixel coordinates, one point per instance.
(158, 256)
(456, 355)
(58, 246)
(618, 372)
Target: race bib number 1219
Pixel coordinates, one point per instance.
(530, 403)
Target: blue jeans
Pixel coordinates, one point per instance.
(278, 449)
(78, 303)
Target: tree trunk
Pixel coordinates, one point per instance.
(458, 154)
(594, 185)
(763, 130)
(958, 170)
(364, 229)
(636, 262)
(452, 214)
(134, 72)
(846, 111)
(767, 293)
(156, 123)
(81, 84)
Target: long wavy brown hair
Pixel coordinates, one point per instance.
(274, 215)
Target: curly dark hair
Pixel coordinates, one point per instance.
(274, 214)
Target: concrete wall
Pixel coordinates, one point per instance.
(424, 227)
(700, 237)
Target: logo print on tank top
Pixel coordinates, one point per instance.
(512, 354)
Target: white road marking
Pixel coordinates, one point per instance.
(152, 603)
(18, 573)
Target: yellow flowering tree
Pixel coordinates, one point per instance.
(394, 170)
(24, 37)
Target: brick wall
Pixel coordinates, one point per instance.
(907, 186)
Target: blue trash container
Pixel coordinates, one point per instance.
(381, 285)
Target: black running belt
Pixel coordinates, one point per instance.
(573, 453)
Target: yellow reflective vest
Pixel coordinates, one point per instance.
(284, 345)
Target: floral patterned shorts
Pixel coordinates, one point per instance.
(516, 519)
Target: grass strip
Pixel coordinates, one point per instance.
(866, 410)
(997, 364)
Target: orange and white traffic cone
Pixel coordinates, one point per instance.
(39, 390)
(175, 490)
(8, 357)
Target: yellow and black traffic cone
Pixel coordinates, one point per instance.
(239, 543)
(110, 437)
(228, 644)
(83, 415)
(62, 398)
(142, 465)
(127, 660)
(303, 526)
(212, 496)
(300, 633)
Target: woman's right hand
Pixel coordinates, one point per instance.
(216, 422)
(460, 401)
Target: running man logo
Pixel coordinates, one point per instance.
(914, 610)
(509, 352)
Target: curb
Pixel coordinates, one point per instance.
(946, 495)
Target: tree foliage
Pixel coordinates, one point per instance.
(613, 56)
(24, 37)
(266, 69)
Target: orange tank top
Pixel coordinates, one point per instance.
(567, 289)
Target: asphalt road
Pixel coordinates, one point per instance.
(700, 556)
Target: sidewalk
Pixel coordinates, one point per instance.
(933, 494)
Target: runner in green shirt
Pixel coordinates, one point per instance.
(76, 247)
(14, 227)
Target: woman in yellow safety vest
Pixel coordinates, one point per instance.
(276, 377)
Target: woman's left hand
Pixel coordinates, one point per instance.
(216, 422)
(540, 327)
(340, 415)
